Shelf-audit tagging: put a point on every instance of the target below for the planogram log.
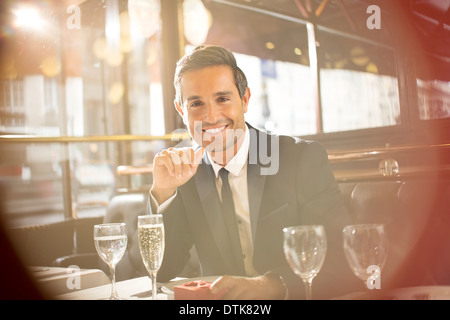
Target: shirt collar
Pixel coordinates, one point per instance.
(237, 163)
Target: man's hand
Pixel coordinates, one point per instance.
(172, 168)
(257, 288)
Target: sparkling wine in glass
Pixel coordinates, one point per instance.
(111, 242)
(151, 245)
(366, 250)
(305, 248)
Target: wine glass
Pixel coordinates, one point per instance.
(111, 242)
(366, 250)
(151, 245)
(305, 248)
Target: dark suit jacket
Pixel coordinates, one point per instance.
(295, 187)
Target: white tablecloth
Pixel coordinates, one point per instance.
(133, 289)
(56, 281)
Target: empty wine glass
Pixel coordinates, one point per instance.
(305, 248)
(366, 250)
(151, 245)
(111, 242)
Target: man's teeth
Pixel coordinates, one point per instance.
(215, 130)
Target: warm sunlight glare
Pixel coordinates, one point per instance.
(27, 17)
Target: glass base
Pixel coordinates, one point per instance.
(159, 296)
(118, 298)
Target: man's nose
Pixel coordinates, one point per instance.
(212, 113)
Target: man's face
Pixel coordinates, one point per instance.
(212, 109)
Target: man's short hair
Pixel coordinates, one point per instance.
(207, 56)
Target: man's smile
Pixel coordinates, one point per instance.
(215, 130)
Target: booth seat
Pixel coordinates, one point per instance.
(47, 244)
(416, 213)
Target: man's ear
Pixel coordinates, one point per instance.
(180, 111)
(179, 108)
(246, 99)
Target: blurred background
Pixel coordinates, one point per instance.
(86, 93)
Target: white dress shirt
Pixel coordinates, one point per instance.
(237, 177)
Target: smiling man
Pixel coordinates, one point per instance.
(214, 110)
(190, 187)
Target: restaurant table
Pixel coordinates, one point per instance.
(140, 289)
(56, 281)
(132, 289)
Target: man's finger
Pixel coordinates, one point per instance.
(177, 162)
(186, 162)
(221, 284)
(185, 156)
(163, 159)
(198, 154)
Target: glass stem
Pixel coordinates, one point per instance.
(154, 286)
(308, 288)
(114, 295)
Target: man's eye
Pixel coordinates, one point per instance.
(223, 99)
(195, 104)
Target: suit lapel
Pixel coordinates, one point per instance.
(255, 181)
(255, 190)
(205, 182)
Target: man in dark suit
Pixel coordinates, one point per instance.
(275, 181)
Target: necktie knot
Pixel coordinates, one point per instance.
(223, 173)
(226, 190)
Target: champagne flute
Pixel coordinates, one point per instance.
(305, 248)
(366, 250)
(111, 242)
(151, 245)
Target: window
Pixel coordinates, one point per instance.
(359, 86)
(433, 87)
(79, 71)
